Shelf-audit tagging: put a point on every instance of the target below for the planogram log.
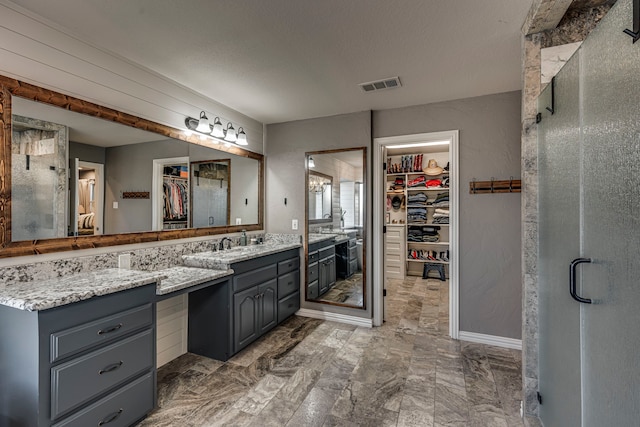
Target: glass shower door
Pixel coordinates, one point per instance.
(611, 216)
(559, 243)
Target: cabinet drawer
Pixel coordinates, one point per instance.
(288, 283)
(312, 290)
(327, 252)
(123, 407)
(313, 257)
(288, 306)
(254, 277)
(72, 340)
(312, 273)
(83, 378)
(352, 243)
(288, 265)
(353, 253)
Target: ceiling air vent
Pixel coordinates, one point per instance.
(388, 83)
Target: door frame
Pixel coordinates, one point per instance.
(98, 193)
(379, 196)
(156, 185)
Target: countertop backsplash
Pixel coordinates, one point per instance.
(145, 259)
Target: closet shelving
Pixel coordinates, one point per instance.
(175, 217)
(401, 215)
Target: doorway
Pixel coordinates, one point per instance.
(87, 198)
(399, 174)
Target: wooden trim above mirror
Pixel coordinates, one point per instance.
(10, 87)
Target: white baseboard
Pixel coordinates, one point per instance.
(490, 340)
(335, 317)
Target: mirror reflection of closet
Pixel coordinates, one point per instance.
(336, 271)
(210, 187)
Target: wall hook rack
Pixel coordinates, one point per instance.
(135, 194)
(635, 33)
(490, 187)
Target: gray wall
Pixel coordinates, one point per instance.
(86, 153)
(490, 283)
(286, 144)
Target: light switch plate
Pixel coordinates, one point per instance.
(238, 221)
(115, 205)
(294, 224)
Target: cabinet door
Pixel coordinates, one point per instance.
(268, 301)
(245, 317)
(323, 276)
(331, 271)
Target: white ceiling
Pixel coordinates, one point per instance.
(281, 60)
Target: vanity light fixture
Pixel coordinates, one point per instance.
(312, 164)
(230, 133)
(216, 131)
(242, 137)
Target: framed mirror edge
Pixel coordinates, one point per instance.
(364, 228)
(10, 87)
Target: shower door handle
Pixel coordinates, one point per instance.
(572, 280)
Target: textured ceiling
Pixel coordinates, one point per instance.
(282, 60)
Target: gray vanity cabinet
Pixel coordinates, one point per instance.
(254, 313)
(260, 287)
(321, 273)
(86, 363)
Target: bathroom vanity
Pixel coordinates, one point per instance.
(81, 350)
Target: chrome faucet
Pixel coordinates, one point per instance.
(221, 244)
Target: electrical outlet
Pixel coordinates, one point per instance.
(124, 261)
(238, 221)
(294, 224)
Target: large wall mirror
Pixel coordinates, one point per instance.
(335, 215)
(70, 180)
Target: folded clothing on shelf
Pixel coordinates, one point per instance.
(417, 211)
(417, 199)
(423, 233)
(417, 181)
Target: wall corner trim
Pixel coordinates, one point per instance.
(490, 340)
(335, 317)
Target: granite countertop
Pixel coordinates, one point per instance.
(222, 260)
(177, 278)
(319, 237)
(41, 295)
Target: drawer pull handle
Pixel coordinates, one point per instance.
(110, 368)
(290, 305)
(110, 329)
(290, 283)
(110, 418)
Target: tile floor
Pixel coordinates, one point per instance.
(308, 372)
